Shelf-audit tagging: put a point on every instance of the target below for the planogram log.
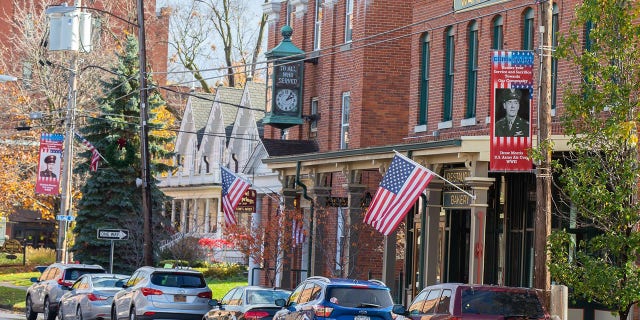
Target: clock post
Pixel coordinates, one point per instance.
(287, 83)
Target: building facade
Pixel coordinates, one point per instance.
(415, 78)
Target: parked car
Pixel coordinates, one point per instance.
(90, 297)
(44, 294)
(162, 293)
(324, 298)
(247, 302)
(470, 301)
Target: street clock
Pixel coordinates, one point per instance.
(287, 83)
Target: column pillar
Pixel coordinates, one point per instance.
(183, 216)
(432, 232)
(207, 213)
(479, 183)
(173, 213)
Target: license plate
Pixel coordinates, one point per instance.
(181, 298)
(360, 318)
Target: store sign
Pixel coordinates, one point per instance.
(248, 202)
(337, 202)
(452, 197)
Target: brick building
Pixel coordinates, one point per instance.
(412, 77)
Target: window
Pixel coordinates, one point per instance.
(344, 132)
(317, 31)
(554, 60)
(424, 79)
(314, 112)
(348, 24)
(498, 36)
(472, 70)
(528, 30)
(431, 301)
(289, 13)
(448, 75)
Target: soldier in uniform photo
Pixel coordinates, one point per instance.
(50, 162)
(512, 124)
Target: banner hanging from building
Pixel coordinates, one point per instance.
(49, 164)
(511, 101)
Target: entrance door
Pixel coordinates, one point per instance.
(456, 246)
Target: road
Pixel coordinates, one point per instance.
(12, 315)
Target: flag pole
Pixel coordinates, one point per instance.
(437, 175)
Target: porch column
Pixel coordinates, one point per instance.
(479, 183)
(173, 213)
(183, 216)
(194, 216)
(432, 232)
(207, 219)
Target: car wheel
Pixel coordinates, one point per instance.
(29, 310)
(78, 314)
(132, 313)
(48, 315)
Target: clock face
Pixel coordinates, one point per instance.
(287, 100)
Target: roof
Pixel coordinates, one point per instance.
(277, 147)
(201, 104)
(229, 100)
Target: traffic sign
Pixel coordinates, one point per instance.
(65, 218)
(113, 234)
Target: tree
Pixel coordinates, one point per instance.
(110, 197)
(601, 176)
(210, 23)
(42, 89)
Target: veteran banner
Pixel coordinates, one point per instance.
(511, 101)
(48, 181)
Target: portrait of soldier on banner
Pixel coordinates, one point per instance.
(50, 169)
(511, 112)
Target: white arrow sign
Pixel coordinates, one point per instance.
(113, 234)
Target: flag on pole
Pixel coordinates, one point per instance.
(95, 155)
(297, 229)
(400, 188)
(233, 188)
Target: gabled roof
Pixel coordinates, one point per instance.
(229, 100)
(277, 147)
(200, 110)
(256, 93)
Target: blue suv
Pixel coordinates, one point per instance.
(337, 299)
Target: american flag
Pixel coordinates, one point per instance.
(233, 188)
(400, 188)
(95, 155)
(297, 230)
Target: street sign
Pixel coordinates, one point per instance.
(65, 218)
(113, 234)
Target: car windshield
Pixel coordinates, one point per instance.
(74, 274)
(178, 280)
(506, 303)
(266, 296)
(364, 297)
(107, 282)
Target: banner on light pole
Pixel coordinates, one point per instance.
(49, 164)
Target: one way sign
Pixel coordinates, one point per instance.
(113, 234)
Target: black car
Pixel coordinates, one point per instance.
(247, 302)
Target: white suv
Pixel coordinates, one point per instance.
(43, 296)
(161, 293)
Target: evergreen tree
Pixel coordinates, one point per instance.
(110, 198)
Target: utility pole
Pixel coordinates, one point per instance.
(541, 275)
(144, 143)
(67, 166)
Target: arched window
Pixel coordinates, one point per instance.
(448, 74)
(424, 78)
(528, 30)
(497, 36)
(472, 70)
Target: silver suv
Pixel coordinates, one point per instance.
(43, 296)
(160, 293)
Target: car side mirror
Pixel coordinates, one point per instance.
(34, 279)
(281, 302)
(399, 309)
(214, 302)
